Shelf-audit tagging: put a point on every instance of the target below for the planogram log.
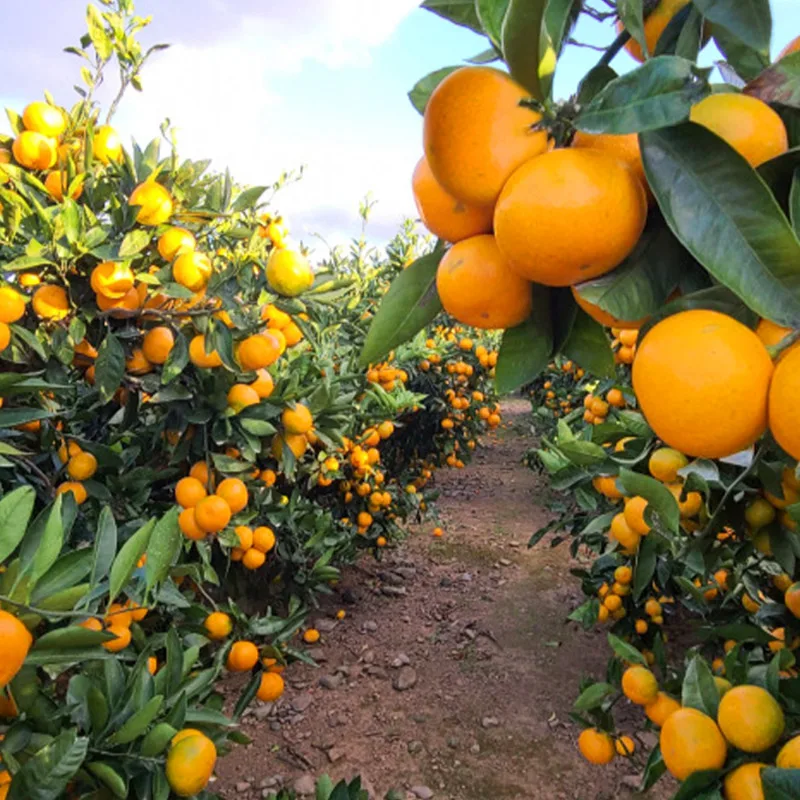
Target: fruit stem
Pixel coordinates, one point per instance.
(613, 49)
(785, 343)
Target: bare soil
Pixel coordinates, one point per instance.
(476, 622)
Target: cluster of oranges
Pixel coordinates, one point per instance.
(624, 344)
(596, 409)
(387, 376)
(117, 621)
(80, 466)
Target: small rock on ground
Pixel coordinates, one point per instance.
(422, 792)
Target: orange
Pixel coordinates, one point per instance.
(106, 145)
(154, 201)
(44, 118)
(597, 747)
(792, 599)
(625, 746)
(607, 486)
(82, 466)
(297, 443)
(56, 184)
(442, 214)
(5, 158)
(476, 286)
(152, 665)
(476, 133)
(34, 150)
(190, 763)
(311, 636)
(157, 345)
(625, 147)
(174, 241)
(234, 492)
(603, 317)
(263, 539)
(292, 334)
(243, 656)
(665, 462)
(792, 47)
(112, 279)
(78, 490)
(253, 559)
(12, 305)
(744, 783)
(122, 638)
(297, 420)
(50, 302)
(198, 355)
(654, 26)
(689, 507)
(634, 515)
(263, 385)
(245, 536)
(615, 398)
(746, 123)
(274, 317)
(789, 755)
(192, 270)
(702, 380)
(661, 708)
(189, 492)
(91, 624)
(130, 301)
(750, 718)
(289, 272)
(639, 685)
(218, 625)
(257, 352)
(17, 640)
(137, 364)
(772, 334)
(117, 614)
(569, 216)
(271, 687)
(691, 742)
(241, 395)
(212, 514)
(623, 533)
(783, 394)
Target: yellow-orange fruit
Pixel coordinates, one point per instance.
(784, 411)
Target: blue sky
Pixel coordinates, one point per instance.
(264, 87)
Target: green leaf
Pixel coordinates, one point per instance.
(794, 202)
(110, 778)
(748, 20)
(424, 87)
(747, 62)
(653, 770)
(176, 361)
(50, 544)
(526, 349)
(779, 83)
(588, 346)
(10, 417)
(15, 513)
(70, 638)
(157, 740)
(109, 367)
(780, 784)
(134, 242)
(724, 214)
(127, 558)
(658, 94)
(645, 565)
(491, 14)
(595, 80)
(410, 304)
(582, 453)
(699, 690)
(461, 12)
(560, 17)
(97, 33)
(248, 198)
(64, 574)
(163, 548)
(105, 545)
(695, 786)
(46, 774)
(659, 499)
(631, 15)
(625, 651)
(521, 41)
(594, 696)
(137, 724)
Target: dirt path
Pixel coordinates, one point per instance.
(454, 672)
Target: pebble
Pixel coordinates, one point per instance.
(405, 679)
(378, 672)
(243, 786)
(305, 784)
(504, 562)
(335, 754)
(475, 749)
(317, 653)
(422, 792)
(393, 591)
(490, 722)
(415, 746)
(302, 702)
(370, 626)
(453, 743)
(407, 573)
(325, 625)
(402, 660)
(330, 681)
(263, 711)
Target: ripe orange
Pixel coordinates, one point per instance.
(218, 625)
(744, 783)
(50, 302)
(311, 636)
(607, 486)
(597, 747)
(625, 147)
(665, 462)
(783, 394)
(112, 279)
(297, 443)
(44, 118)
(792, 599)
(615, 398)
(274, 317)
(243, 656)
(157, 345)
(5, 336)
(212, 514)
(234, 492)
(241, 395)
(792, 47)
(137, 364)
(691, 742)
(271, 687)
(789, 755)
(661, 708)
(688, 370)
(245, 536)
(624, 534)
(289, 272)
(476, 286)
(190, 763)
(750, 718)
(82, 466)
(122, 638)
(257, 352)
(292, 334)
(442, 214)
(625, 746)
(263, 385)
(130, 301)
(34, 150)
(76, 487)
(476, 133)
(639, 685)
(746, 123)
(603, 317)
(154, 201)
(174, 241)
(189, 492)
(192, 270)
(106, 145)
(569, 216)
(654, 26)
(12, 305)
(689, 507)
(198, 355)
(263, 539)
(253, 559)
(297, 420)
(17, 640)
(772, 334)
(634, 515)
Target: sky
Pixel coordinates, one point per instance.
(264, 86)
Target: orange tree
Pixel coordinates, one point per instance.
(648, 220)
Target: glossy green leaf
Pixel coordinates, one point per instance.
(177, 360)
(794, 203)
(109, 367)
(699, 689)
(521, 44)
(134, 242)
(105, 545)
(165, 543)
(745, 60)
(127, 558)
(11, 417)
(588, 346)
(491, 14)
(50, 544)
(461, 12)
(658, 94)
(625, 651)
(64, 574)
(70, 638)
(660, 500)
(748, 20)
(110, 778)
(779, 83)
(595, 80)
(724, 214)
(410, 304)
(780, 784)
(46, 774)
(645, 565)
(157, 740)
(526, 349)
(15, 513)
(97, 33)
(559, 19)
(593, 696)
(248, 198)
(424, 87)
(136, 725)
(631, 15)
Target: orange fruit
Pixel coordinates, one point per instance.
(311, 636)
(297, 443)
(297, 420)
(772, 334)
(697, 362)
(744, 783)
(263, 385)
(689, 507)
(12, 305)
(154, 201)
(659, 710)
(241, 395)
(190, 764)
(157, 345)
(112, 279)
(44, 118)
(783, 394)
(442, 214)
(130, 301)
(152, 665)
(289, 272)
(274, 317)
(569, 216)
(106, 145)
(746, 123)
(174, 241)
(665, 462)
(476, 133)
(56, 184)
(607, 486)
(122, 638)
(271, 687)
(789, 755)
(691, 742)
(245, 536)
(634, 515)
(253, 559)
(82, 466)
(192, 270)
(17, 640)
(198, 355)
(257, 352)
(234, 492)
(792, 47)
(118, 614)
(292, 334)
(597, 747)
(243, 656)
(218, 625)
(91, 624)
(50, 302)
(212, 514)
(654, 26)
(137, 364)
(750, 718)
(76, 487)
(623, 533)
(792, 599)
(615, 398)
(639, 685)
(625, 746)
(189, 492)
(625, 147)
(603, 317)
(34, 150)
(476, 286)
(263, 539)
